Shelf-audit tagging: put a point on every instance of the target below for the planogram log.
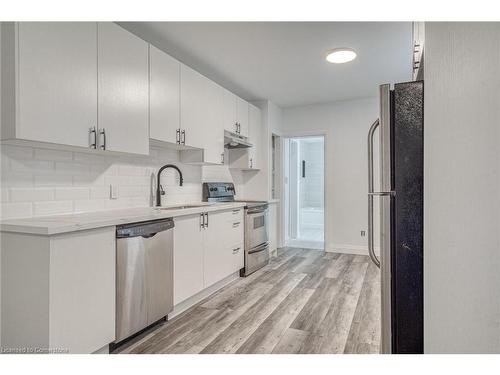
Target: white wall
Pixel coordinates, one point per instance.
(345, 126)
(38, 182)
(461, 188)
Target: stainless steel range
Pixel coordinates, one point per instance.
(256, 224)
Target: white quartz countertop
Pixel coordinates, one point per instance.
(56, 224)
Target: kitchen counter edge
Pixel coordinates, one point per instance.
(53, 225)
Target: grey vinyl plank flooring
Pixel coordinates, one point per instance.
(290, 342)
(304, 301)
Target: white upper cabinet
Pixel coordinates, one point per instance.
(56, 84)
(164, 97)
(201, 124)
(229, 111)
(255, 136)
(242, 111)
(194, 107)
(123, 93)
(250, 158)
(235, 113)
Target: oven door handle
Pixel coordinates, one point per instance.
(256, 211)
(259, 248)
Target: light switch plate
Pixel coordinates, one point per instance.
(113, 192)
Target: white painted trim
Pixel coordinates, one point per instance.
(193, 300)
(350, 249)
(315, 245)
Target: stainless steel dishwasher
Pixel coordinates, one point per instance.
(144, 275)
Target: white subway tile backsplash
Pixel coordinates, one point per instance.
(15, 210)
(21, 179)
(53, 179)
(22, 165)
(17, 152)
(5, 194)
(90, 205)
(53, 155)
(75, 168)
(133, 191)
(31, 194)
(52, 208)
(72, 193)
(37, 182)
(126, 170)
(99, 192)
(88, 180)
(83, 157)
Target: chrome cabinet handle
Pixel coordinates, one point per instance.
(92, 137)
(206, 223)
(371, 251)
(235, 251)
(202, 221)
(222, 158)
(236, 126)
(178, 136)
(236, 211)
(102, 132)
(183, 139)
(237, 224)
(251, 162)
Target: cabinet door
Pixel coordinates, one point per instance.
(164, 96)
(188, 257)
(57, 77)
(82, 290)
(219, 259)
(201, 115)
(214, 129)
(123, 89)
(194, 107)
(243, 116)
(255, 136)
(229, 110)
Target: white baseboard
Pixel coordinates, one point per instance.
(350, 249)
(191, 301)
(317, 245)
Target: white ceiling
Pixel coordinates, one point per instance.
(284, 61)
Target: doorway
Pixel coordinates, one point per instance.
(304, 181)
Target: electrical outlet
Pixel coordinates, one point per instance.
(363, 233)
(113, 192)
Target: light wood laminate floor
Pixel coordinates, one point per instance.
(304, 301)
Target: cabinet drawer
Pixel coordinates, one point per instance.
(235, 232)
(237, 254)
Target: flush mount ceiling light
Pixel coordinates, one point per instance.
(340, 55)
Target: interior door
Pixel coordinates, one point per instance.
(57, 81)
(164, 96)
(123, 90)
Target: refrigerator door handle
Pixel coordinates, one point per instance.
(371, 193)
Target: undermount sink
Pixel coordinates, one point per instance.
(183, 207)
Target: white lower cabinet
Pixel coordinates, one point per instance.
(188, 257)
(207, 248)
(58, 292)
(223, 246)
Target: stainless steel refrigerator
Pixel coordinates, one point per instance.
(401, 126)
